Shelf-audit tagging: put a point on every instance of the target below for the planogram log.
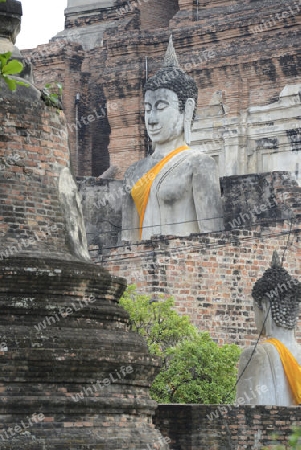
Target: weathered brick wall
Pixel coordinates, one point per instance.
(259, 199)
(225, 427)
(66, 354)
(60, 62)
(250, 67)
(33, 151)
(164, 12)
(211, 275)
(222, 54)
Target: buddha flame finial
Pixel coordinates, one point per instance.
(170, 59)
(276, 260)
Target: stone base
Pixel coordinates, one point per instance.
(72, 375)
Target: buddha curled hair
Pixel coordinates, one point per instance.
(282, 291)
(172, 77)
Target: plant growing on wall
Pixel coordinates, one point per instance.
(195, 369)
(52, 94)
(9, 67)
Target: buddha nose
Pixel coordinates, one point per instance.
(152, 119)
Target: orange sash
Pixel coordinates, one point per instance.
(291, 368)
(141, 190)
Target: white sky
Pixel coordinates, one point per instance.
(42, 19)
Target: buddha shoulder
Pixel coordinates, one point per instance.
(199, 159)
(261, 352)
(138, 169)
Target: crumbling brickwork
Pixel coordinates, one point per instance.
(33, 151)
(156, 14)
(236, 48)
(226, 427)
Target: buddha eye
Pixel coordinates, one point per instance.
(147, 107)
(161, 105)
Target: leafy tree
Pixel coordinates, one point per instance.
(195, 369)
(161, 326)
(198, 371)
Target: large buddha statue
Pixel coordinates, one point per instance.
(175, 190)
(270, 373)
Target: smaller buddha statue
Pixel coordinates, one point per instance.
(175, 190)
(270, 374)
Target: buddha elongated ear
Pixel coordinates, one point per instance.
(267, 317)
(188, 116)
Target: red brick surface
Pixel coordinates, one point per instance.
(209, 276)
(33, 151)
(251, 69)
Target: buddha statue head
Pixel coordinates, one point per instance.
(276, 298)
(170, 101)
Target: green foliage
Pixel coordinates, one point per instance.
(10, 67)
(195, 369)
(52, 94)
(161, 326)
(293, 441)
(198, 371)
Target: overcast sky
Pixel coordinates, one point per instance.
(42, 19)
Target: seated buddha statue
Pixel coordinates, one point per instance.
(175, 190)
(270, 373)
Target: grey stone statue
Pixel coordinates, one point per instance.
(270, 374)
(175, 190)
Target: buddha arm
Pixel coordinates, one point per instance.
(207, 195)
(258, 383)
(130, 217)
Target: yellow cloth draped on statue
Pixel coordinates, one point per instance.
(291, 368)
(141, 190)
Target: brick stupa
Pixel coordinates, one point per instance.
(72, 376)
